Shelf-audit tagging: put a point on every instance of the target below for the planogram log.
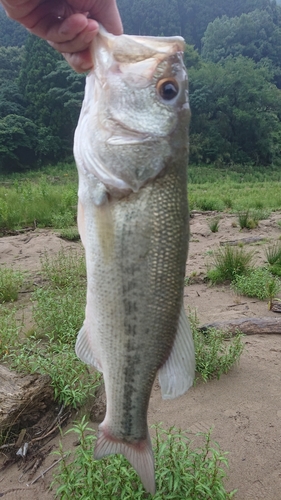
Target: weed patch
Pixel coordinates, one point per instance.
(248, 220)
(58, 314)
(258, 283)
(214, 224)
(70, 234)
(215, 351)
(66, 269)
(273, 254)
(182, 470)
(229, 262)
(10, 284)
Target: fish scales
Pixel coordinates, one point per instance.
(136, 241)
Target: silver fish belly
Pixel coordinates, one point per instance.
(131, 153)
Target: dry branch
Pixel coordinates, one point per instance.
(248, 326)
(243, 241)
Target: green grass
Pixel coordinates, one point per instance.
(246, 221)
(58, 314)
(215, 351)
(245, 186)
(228, 262)
(273, 254)
(258, 283)
(214, 224)
(183, 470)
(48, 197)
(39, 200)
(67, 268)
(70, 233)
(10, 330)
(10, 284)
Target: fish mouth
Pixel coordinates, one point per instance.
(129, 138)
(125, 135)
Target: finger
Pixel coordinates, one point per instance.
(79, 43)
(104, 11)
(73, 34)
(80, 61)
(18, 9)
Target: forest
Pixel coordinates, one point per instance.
(233, 57)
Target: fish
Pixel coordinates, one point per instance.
(131, 152)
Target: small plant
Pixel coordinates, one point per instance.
(70, 379)
(247, 220)
(209, 204)
(67, 268)
(273, 254)
(182, 470)
(70, 234)
(10, 284)
(258, 283)
(215, 351)
(229, 262)
(228, 202)
(10, 329)
(63, 220)
(214, 224)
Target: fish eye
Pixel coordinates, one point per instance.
(167, 88)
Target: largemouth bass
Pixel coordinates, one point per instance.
(131, 147)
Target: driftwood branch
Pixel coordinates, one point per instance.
(248, 326)
(23, 398)
(244, 241)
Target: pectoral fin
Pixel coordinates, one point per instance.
(177, 374)
(84, 349)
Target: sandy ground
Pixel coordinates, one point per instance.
(243, 407)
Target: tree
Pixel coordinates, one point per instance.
(253, 35)
(12, 34)
(47, 85)
(236, 113)
(18, 143)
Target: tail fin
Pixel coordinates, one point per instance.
(140, 456)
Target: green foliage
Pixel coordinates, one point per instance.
(235, 113)
(17, 142)
(12, 34)
(58, 314)
(236, 108)
(44, 201)
(10, 330)
(273, 254)
(70, 379)
(214, 224)
(229, 262)
(181, 470)
(209, 204)
(65, 269)
(248, 220)
(258, 283)
(184, 17)
(255, 35)
(10, 284)
(215, 351)
(70, 234)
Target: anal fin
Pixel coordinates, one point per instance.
(140, 455)
(177, 374)
(84, 349)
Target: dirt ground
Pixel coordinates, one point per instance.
(243, 407)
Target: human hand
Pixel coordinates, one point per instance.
(68, 25)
